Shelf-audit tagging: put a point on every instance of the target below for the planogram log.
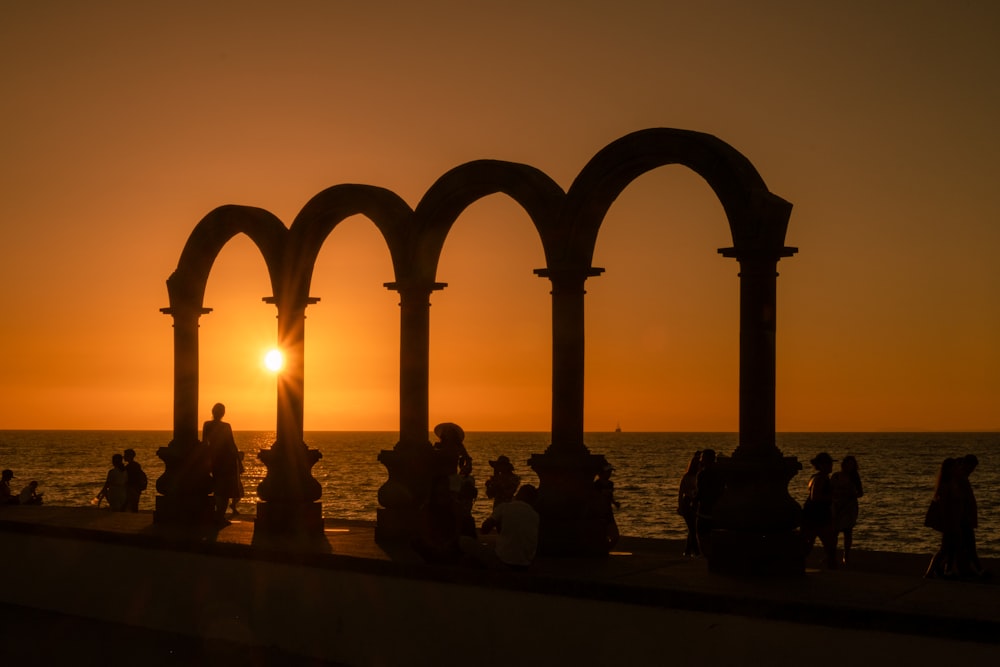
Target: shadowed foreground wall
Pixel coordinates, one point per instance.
(357, 612)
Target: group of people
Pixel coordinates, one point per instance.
(700, 488)
(29, 495)
(124, 484)
(953, 512)
(126, 480)
(448, 531)
(830, 509)
(831, 506)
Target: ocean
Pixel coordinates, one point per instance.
(897, 470)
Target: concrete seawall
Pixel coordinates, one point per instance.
(349, 601)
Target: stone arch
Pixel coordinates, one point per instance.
(186, 286)
(757, 218)
(539, 196)
(321, 214)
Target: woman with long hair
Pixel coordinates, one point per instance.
(945, 516)
(687, 504)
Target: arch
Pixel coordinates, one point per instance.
(459, 188)
(321, 214)
(757, 218)
(186, 286)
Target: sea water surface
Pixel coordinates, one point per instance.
(897, 470)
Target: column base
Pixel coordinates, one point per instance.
(195, 511)
(573, 538)
(292, 519)
(756, 554)
(400, 524)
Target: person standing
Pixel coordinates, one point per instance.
(945, 516)
(966, 553)
(711, 485)
(845, 485)
(6, 496)
(115, 487)
(687, 505)
(817, 512)
(224, 457)
(137, 481)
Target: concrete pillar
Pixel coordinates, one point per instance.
(756, 515)
(411, 464)
(289, 492)
(571, 515)
(183, 488)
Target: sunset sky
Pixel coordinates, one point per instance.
(125, 123)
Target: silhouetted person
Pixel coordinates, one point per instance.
(967, 558)
(945, 516)
(137, 481)
(240, 489)
(845, 484)
(451, 444)
(687, 504)
(29, 494)
(462, 486)
(517, 524)
(605, 489)
(437, 538)
(817, 512)
(502, 484)
(711, 485)
(6, 497)
(115, 487)
(224, 456)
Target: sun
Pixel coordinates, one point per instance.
(274, 360)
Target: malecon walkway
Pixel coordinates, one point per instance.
(115, 584)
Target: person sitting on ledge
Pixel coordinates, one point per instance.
(6, 497)
(517, 540)
(29, 494)
(502, 484)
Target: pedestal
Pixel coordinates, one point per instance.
(573, 521)
(279, 519)
(185, 486)
(756, 519)
(289, 493)
(412, 471)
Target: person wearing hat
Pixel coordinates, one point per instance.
(6, 497)
(503, 483)
(817, 512)
(451, 443)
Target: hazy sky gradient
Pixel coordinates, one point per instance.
(125, 123)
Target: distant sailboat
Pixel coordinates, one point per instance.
(618, 427)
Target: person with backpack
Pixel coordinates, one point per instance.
(137, 481)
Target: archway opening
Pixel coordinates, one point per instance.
(663, 341)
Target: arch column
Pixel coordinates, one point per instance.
(572, 523)
(183, 488)
(756, 517)
(411, 464)
(289, 493)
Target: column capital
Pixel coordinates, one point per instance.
(275, 301)
(759, 254)
(416, 285)
(568, 279)
(185, 310)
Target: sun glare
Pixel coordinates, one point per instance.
(274, 360)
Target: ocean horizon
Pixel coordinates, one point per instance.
(898, 471)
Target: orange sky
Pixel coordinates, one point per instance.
(123, 125)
